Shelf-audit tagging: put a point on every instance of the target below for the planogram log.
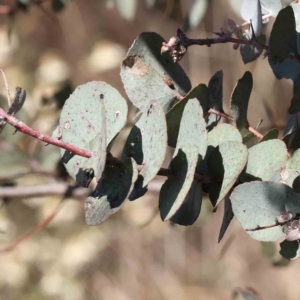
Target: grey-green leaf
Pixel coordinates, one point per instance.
(84, 123)
(149, 75)
(240, 99)
(260, 204)
(285, 175)
(193, 127)
(272, 6)
(265, 158)
(294, 161)
(147, 143)
(174, 116)
(251, 11)
(175, 189)
(227, 161)
(223, 133)
(111, 191)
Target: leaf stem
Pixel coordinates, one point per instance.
(251, 129)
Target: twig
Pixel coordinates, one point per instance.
(53, 188)
(6, 86)
(177, 46)
(20, 126)
(255, 132)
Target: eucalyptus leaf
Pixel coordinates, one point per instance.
(147, 143)
(227, 162)
(283, 38)
(149, 75)
(260, 204)
(90, 119)
(240, 99)
(174, 116)
(264, 159)
(111, 191)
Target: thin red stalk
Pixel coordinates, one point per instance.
(20, 126)
(251, 129)
(255, 132)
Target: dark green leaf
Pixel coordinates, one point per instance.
(189, 211)
(270, 135)
(290, 249)
(291, 126)
(111, 191)
(250, 53)
(215, 87)
(175, 189)
(227, 217)
(240, 99)
(283, 39)
(227, 162)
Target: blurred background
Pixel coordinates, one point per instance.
(133, 255)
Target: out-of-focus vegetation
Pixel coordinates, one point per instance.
(49, 54)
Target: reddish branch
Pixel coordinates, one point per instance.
(177, 46)
(22, 127)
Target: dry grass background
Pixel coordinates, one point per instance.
(125, 257)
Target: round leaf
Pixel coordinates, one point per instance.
(147, 74)
(90, 119)
(265, 158)
(260, 204)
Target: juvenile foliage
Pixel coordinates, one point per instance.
(260, 184)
